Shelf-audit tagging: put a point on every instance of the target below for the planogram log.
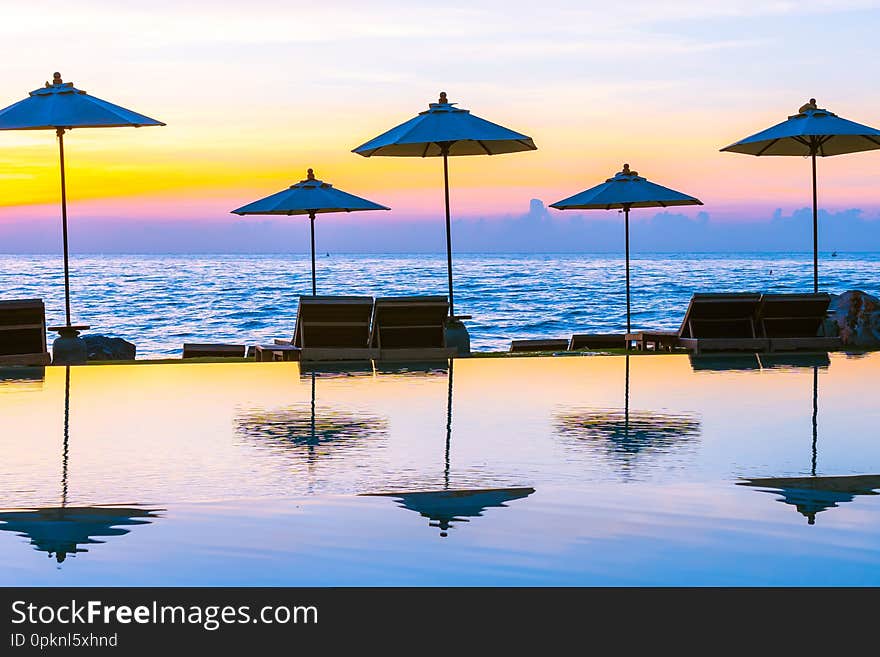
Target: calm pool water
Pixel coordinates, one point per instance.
(592, 470)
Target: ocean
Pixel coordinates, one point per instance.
(158, 302)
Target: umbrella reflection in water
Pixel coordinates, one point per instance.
(60, 531)
(813, 494)
(628, 434)
(304, 430)
(810, 495)
(447, 506)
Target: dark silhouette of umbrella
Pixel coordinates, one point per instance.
(61, 530)
(447, 506)
(60, 106)
(624, 191)
(812, 132)
(312, 197)
(629, 433)
(444, 130)
(812, 495)
(443, 508)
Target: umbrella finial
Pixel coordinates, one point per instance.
(310, 174)
(808, 106)
(56, 78)
(443, 100)
(626, 171)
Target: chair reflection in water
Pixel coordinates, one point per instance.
(61, 530)
(626, 433)
(813, 494)
(446, 506)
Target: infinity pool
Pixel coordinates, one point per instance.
(592, 470)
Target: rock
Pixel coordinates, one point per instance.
(457, 336)
(857, 317)
(100, 347)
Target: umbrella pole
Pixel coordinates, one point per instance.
(815, 229)
(448, 426)
(60, 133)
(626, 399)
(815, 415)
(626, 224)
(312, 222)
(66, 452)
(448, 227)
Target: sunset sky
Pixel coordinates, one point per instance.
(254, 93)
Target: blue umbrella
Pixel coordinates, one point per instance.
(312, 197)
(445, 130)
(811, 132)
(60, 106)
(623, 191)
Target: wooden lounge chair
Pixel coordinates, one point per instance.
(23, 332)
(213, 350)
(713, 322)
(411, 328)
(332, 328)
(794, 321)
(584, 341)
(525, 346)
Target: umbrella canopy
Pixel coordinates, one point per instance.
(312, 197)
(623, 191)
(445, 130)
(812, 132)
(60, 106)
(626, 189)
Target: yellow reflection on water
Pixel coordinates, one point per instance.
(154, 434)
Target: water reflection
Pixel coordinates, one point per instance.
(17, 379)
(811, 495)
(61, 530)
(794, 361)
(302, 429)
(447, 506)
(627, 434)
(724, 362)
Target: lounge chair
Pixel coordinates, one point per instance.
(548, 344)
(582, 341)
(23, 333)
(794, 321)
(332, 328)
(213, 350)
(713, 322)
(410, 328)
